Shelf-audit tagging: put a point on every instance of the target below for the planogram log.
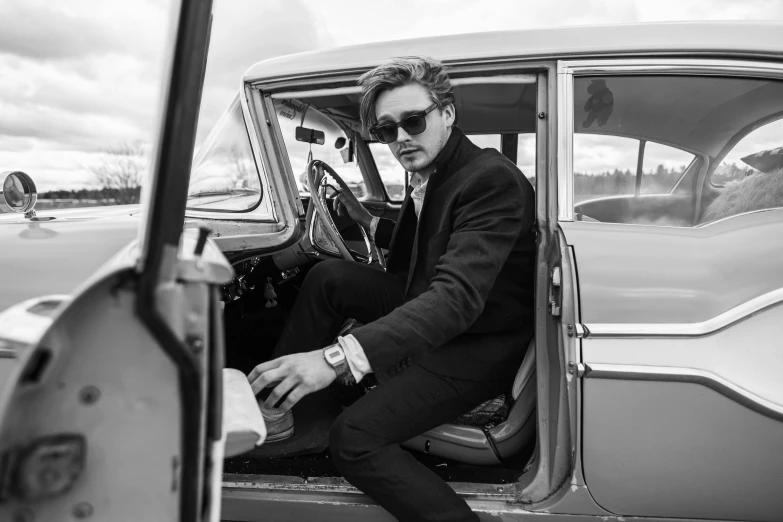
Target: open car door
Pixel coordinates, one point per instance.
(114, 406)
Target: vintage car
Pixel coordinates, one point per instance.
(651, 389)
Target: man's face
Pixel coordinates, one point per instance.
(415, 153)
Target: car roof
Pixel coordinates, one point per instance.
(675, 38)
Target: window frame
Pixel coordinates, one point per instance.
(567, 70)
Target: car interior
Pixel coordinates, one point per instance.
(492, 443)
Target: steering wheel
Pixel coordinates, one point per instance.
(319, 218)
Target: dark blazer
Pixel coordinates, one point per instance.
(470, 260)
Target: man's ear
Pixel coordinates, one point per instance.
(450, 113)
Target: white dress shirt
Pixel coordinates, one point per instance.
(354, 353)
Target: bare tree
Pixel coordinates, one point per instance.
(121, 171)
(244, 174)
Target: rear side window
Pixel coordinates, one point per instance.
(393, 175)
(647, 149)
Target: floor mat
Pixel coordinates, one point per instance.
(313, 416)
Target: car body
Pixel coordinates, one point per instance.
(655, 375)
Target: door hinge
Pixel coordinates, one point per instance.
(578, 330)
(555, 292)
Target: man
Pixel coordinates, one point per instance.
(445, 327)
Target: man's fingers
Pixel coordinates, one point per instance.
(263, 367)
(279, 392)
(267, 378)
(293, 397)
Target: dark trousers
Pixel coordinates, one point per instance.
(365, 439)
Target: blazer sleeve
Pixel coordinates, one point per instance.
(383, 233)
(490, 213)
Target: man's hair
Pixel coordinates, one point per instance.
(425, 71)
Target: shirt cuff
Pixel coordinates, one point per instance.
(354, 354)
(373, 228)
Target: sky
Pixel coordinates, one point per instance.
(81, 77)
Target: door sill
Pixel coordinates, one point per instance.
(276, 497)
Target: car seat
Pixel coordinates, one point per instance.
(497, 429)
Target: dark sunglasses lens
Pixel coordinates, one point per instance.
(414, 124)
(386, 133)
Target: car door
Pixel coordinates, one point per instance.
(114, 406)
(681, 397)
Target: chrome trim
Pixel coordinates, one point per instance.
(565, 143)
(253, 132)
(721, 220)
(687, 375)
(265, 211)
(353, 89)
(513, 79)
(672, 66)
(700, 329)
(7, 353)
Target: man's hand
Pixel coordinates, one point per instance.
(346, 202)
(300, 374)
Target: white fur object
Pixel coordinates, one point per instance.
(758, 191)
(243, 424)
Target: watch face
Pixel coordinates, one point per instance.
(334, 355)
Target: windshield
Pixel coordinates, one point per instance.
(224, 177)
(334, 150)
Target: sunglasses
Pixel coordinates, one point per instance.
(415, 123)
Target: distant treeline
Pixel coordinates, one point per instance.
(106, 194)
(658, 181)
(661, 180)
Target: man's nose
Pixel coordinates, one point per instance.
(402, 136)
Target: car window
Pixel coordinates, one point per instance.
(292, 113)
(643, 140)
(607, 166)
(604, 166)
(662, 168)
(393, 175)
(389, 169)
(224, 177)
(735, 166)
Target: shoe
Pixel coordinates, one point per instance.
(279, 423)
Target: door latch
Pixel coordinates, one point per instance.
(555, 292)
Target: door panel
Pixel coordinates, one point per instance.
(682, 399)
(682, 395)
(697, 420)
(679, 449)
(639, 274)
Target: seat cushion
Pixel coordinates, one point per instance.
(488, 414)
(495, 411)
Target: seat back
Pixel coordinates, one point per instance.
(526, 371)
(492, 431)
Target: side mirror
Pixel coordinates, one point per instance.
(310, 135)
(20, 193)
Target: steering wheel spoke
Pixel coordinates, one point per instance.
(319, 201)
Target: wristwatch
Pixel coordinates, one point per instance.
(335, 357)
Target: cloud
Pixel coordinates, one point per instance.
(245, 32)
(83, 75)
(43, 30)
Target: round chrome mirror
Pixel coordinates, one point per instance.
(19, 192)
